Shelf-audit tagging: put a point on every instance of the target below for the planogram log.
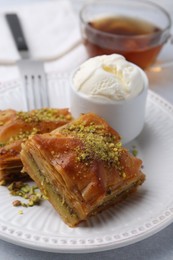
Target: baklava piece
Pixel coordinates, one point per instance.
(82, 167)
(15, 128)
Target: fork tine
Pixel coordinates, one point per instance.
(25, 84)
(41, 84)
(28, 90)
(34, 84)
(44, 91)
(36, 89)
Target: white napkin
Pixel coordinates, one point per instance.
(51, 30)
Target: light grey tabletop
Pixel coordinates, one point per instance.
(160, 245)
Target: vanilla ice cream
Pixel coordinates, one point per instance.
(108, 77)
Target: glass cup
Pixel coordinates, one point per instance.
(135, 29)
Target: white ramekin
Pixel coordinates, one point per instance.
(126, 116)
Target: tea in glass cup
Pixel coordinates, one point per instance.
(135, 29)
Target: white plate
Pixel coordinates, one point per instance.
(140, 216)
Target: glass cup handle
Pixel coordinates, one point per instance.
(165, 64)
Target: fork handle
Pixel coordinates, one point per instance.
(16, 30)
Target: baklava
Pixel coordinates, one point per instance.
(82, 167)
(15, 128)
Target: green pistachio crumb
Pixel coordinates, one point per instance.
(135, 152)
(24, 190)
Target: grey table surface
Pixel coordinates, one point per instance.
(158, 246)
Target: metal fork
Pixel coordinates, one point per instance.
(34, 83)
(32, 72)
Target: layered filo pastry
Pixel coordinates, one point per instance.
(15, 128)
(81, 167)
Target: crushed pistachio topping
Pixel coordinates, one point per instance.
(20, 212)
(22, 135)
(98, 143)
(29, 193)
(134, 151)
(44, 114)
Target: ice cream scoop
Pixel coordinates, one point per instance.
(108, 77)
(114, 89)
